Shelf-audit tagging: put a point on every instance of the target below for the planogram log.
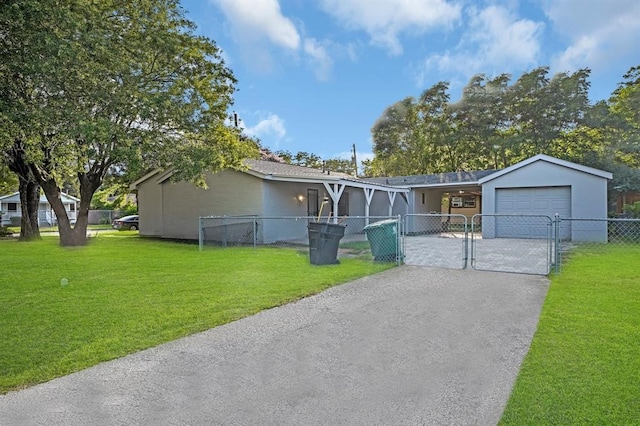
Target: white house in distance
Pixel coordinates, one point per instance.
(540, 185)
(10, 207)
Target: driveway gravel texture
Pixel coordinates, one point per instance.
(409, 346)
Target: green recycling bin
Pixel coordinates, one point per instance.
(324, 239)
(383, 239)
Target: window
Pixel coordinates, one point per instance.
(469, 201)
(72, 207)
(456, 201)
(12, 207)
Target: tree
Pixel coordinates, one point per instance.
(92, 88)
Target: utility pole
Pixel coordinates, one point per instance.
(355, 161)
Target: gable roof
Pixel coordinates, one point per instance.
(434, 179)
(15, 197)
(548, 159)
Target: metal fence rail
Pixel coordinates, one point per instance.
(436, 240)
(575, 232)
(364, 237)
(532, 244)
(512, 243)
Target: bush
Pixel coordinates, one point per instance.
(632, 211)
(5, 232)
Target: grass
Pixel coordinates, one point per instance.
(65, 309)
(583, 366)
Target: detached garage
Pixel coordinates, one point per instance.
(543, 186)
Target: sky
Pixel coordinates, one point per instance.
(315, 75)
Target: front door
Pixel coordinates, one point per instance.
(312, 202)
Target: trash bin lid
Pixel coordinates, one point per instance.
(381, 223)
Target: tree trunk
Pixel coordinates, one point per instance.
(76, 236)
(29, 201)
(29, 191)
(68, 236)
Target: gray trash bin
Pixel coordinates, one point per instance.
(324, 239)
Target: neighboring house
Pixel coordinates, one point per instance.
(540, 185)
(10, 207)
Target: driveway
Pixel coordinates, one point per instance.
(409, 346)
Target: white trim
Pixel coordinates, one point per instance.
(548, 159)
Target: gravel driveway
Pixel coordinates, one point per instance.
(409, 346)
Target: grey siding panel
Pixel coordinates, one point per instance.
(150, 208)
(229, 193)
(588, 192)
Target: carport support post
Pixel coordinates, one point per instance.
(200, 236)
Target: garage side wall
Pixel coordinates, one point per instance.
(588, 192)
(150, 208)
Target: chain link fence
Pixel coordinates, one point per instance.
(575, 232)
(371, 238)
(436, 240)
(531, 244)
(512, 243)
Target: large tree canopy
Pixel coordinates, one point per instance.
(496, 124)
(92, 87)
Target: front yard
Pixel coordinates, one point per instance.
(62, 310)
(583, 366)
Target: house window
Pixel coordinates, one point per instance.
(469, 201)
(12, 207)
(72, 207)
(456, 201)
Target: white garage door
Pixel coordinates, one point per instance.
(546, 201)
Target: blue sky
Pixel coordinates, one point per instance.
(314, 75)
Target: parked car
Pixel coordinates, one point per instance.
(126, 223)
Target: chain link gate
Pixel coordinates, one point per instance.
(436, 240)
(512, 243)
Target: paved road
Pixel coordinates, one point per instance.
(409, 346)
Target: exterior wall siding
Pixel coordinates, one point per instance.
(588, 192)
(229, 193)
(150, 208)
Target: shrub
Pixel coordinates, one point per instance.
(632, 210)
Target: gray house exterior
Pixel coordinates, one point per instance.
(171, 209)
(541, 185)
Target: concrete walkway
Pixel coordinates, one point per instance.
(410, 346)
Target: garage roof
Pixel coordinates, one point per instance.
(548, 159)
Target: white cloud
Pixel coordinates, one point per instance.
(320, 60)
(601, 33)
(255, 20)
(504, 39)
(495, 40)
(268, 128)
(385, 20)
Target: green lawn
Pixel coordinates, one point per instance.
(64, 309)
(584, 363)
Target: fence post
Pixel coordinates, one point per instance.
(466, 244)
(255, 229)
(200, 234)
(398, 241)
(556, 242)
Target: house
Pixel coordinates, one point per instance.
(11, 208)
(264, 188)
(540, 185)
